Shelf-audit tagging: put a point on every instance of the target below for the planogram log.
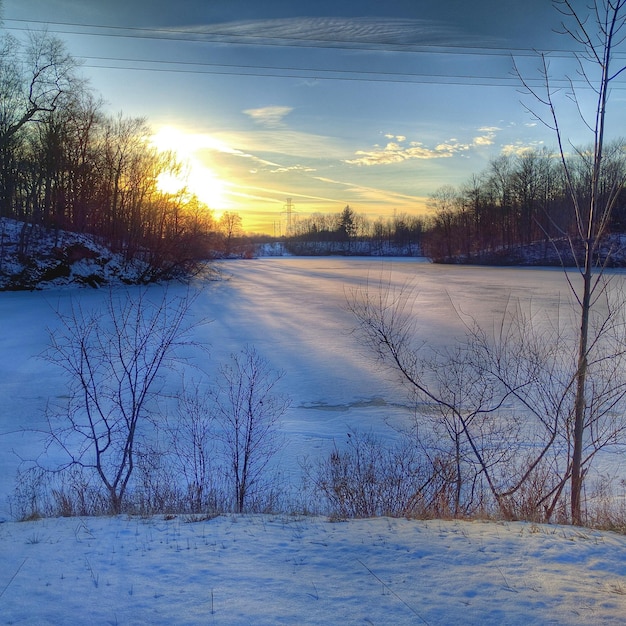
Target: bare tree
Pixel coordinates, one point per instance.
(248, 408)
(503, 400)
(114, 361)
(192, 446)
(453, 382)
(599, 30)
(230, 226)
(33, 80)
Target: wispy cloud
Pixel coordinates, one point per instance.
(187, 143)
(372, 195)
(283, 143)
(343, 31)
(292, 168)
(399, 138)
(277, 195)
(270, 117)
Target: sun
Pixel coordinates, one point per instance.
(197, 177)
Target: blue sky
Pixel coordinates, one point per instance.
(369, 103)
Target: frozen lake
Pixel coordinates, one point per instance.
(293, 311)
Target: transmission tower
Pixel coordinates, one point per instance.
(288, 210)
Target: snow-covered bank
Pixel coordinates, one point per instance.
(267, 570)
(35, 258)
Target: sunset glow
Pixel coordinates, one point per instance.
(196, 177)
(382, 112)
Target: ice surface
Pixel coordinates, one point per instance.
(293, 311)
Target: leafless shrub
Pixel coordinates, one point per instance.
(367, 478)
(190, 440)
(606, 503)
(114, 361)
(247, 410)
(40, 493)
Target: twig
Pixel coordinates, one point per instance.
(506, 582)
(392, 592)
(13, 577)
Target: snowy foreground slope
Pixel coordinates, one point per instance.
(282, 570)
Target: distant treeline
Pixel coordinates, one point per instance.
(518, 201)
(350, 233)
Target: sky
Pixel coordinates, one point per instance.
(327, 103)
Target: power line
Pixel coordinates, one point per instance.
(309, 73)
(228, 68)
(222, 69)
(170, 34)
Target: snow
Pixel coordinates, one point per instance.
(281, 569)
(58, 258)
(299, 570)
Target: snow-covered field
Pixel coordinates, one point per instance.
(277, 569)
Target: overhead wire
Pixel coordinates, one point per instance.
(226, 69)
(189, 35)
(273, 71)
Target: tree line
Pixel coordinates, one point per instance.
(67, 164)
(520, 200)
(349, 232)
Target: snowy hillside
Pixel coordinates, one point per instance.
(34, 258)
(266, 570)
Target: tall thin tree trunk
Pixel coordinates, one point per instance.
(580, 400)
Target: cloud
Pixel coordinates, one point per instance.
(369, 199)
(484, 140)
(334, 31)
(397, 152)
(292, 168)
(270, 117)
(400, 138)
(450, 149)
(285, 143)
(519, 148)
(488, 136)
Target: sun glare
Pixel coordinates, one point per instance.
(169, 183)
(198, 179)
